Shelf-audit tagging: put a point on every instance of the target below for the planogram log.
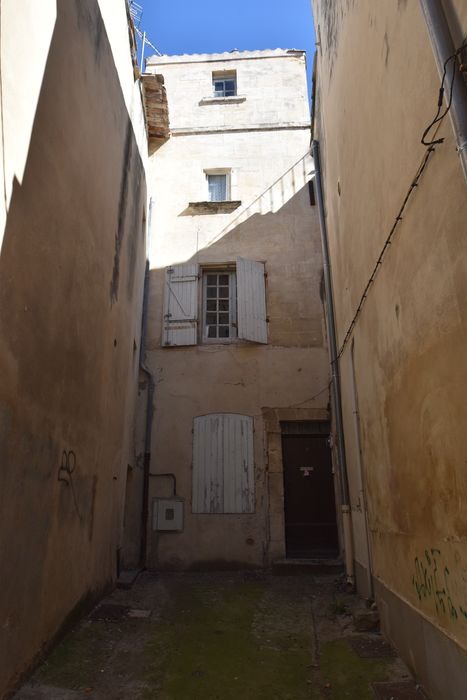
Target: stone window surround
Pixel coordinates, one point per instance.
(227, 172)
(223, 77)
(217, 207)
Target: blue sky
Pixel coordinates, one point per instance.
(208, 26)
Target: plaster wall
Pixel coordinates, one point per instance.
(71, 269)
(271, 90)
(241, 378)
(411, 371)
(275, 223)
(255, 159)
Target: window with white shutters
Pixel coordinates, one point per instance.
(251, 301)
(232, 299)
(180, 319)
(223, 464)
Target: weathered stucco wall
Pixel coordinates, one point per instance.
(241, 378)
(71, 268)
(280, 229)
(377, 90)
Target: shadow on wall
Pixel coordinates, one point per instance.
(288, 240)
(274, 197)
(71, 271)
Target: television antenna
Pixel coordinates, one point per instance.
(136, 12)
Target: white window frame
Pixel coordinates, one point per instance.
(231, 271)
(222, 77)
(228, 183)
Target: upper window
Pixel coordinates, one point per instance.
(217, 187)
(224, 84)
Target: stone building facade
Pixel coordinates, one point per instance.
(402, 355)
(235, 335)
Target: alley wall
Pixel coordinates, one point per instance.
(71, 269)
(404, 369)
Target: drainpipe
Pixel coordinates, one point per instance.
(443, 47)
(335, 375)
(149, 412)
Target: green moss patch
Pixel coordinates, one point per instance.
(206, 646)
(345, 676)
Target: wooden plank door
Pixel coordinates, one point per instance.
(309, 502)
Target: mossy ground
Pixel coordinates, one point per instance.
(214, 637)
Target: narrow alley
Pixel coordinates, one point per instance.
(233, 331)
(223, 636)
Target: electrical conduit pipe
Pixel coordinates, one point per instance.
(335, 375)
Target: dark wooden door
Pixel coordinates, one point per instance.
(309, 504)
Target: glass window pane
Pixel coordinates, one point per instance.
(212, 331)
(223, 305)
(223, 279)
(211, 305)
(211, 292)
(211, 319)
(223, 331)
(223, 292)
(212, 279)
(229, 85)
(223, 318)
(217, 186)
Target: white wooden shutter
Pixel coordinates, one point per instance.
(223, 464)
(239, 487)
(251, 301)
(180, 319)
(208, 465)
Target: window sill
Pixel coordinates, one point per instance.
(235, 99)
(212, 207)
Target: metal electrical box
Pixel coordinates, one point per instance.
(167, 515)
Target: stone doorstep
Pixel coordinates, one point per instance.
(287, 567)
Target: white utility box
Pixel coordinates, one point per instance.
(167, 514)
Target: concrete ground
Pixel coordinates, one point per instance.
(222, 637)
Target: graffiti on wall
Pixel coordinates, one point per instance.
(65, 474)
(431, 582)
(67, 466)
